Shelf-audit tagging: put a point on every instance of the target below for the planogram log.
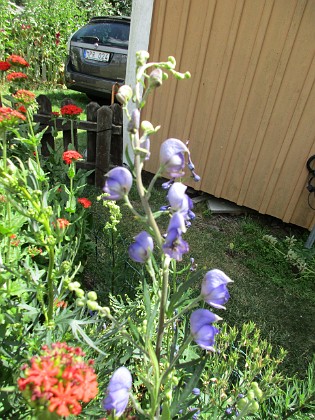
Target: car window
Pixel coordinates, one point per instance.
(111, 34)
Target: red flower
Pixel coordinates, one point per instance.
(22, 108)
(16, 76)
(55, 114)
(24, 96)
(70, 110)
(85, 202)
(71, 155)
(63, 223)
(59, 379)
(17, 60)
(10, 117)
(63, 401)
(4, 65)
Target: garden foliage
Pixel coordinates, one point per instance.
(162, 354)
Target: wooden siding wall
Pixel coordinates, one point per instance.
(248, 110)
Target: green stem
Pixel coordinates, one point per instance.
(164, 294)
(72, 133)
(50, 284)
(8, 206)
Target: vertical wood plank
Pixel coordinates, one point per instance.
(91, 115)
(103, 142)
(48, 139)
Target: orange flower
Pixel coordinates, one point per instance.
(59, 380)
(17, 61)
(10, 117)
(86, 203)
(71, 155)
(16, 76)
(24, 96)
(63, 223)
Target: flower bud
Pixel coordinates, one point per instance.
(124, 94)
(91, 304)
(147, 127)
(251, 395)
(141, 57)
(74, 285)
(156, 78)
(134, 123)
(80, 302)
(254, 407)
(79, 293)
(92, 296)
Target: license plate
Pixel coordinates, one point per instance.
(96, 55)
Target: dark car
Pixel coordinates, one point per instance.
(97, 56)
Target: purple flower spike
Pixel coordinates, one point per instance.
(172, 157)
(117, 394)
(214, 290)
(201, 328)
(118, 182)
(141, 249)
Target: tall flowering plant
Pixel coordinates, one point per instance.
(170, 319)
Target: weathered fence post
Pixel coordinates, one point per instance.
(116, 150)
(91, 115)
(103, 143)
(67, 133)
(48, 139)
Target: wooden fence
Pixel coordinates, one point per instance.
(104, 135)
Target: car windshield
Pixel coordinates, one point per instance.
(106, 33)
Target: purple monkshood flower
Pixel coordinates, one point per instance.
(172, 157)
(118, 182)
(117, 393)
(179, 201)
(196, 391)
(214, 288)
(174, 245)
(141, 249)
(201, 328)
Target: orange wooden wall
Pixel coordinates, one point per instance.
(248, 110)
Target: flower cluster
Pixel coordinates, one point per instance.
(16, 76)
(70, 111)
(16, 60)
(10, 117)
(4, 66)
(71, 156)
(24, 97)
(63, 223)
(59, 380)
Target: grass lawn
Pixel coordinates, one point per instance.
(267, 288)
